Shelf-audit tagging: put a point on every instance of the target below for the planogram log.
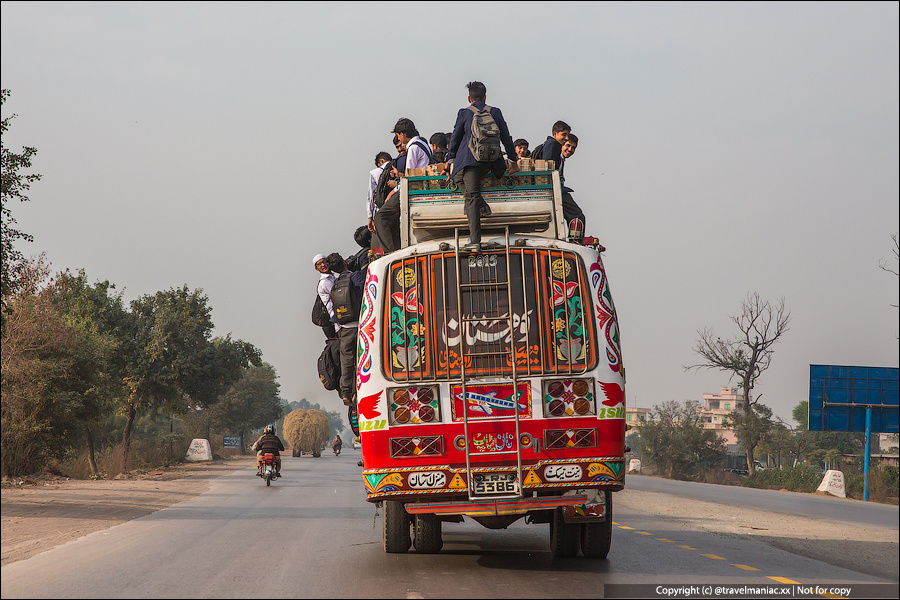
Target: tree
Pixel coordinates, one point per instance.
(674, 440)
(14, 186)
(800, 414)
(172, 364)
(52, 373)
(777, 442)
(751, 428)
(761, 324)
(250, 403)
(97, 312)
(825, 446)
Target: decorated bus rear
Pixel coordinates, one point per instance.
(490, 384)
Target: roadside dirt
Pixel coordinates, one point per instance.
(39, 515)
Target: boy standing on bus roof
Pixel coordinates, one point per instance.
(468, 169)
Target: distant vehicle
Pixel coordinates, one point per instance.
(356, 444)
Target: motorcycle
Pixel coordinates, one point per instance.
(337, 449)
(268, 471)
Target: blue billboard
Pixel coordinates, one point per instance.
(840, 395)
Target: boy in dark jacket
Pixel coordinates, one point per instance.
(467, 171)
(551, 149)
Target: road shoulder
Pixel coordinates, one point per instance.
(40, 516)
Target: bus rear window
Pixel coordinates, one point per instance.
(426, 334)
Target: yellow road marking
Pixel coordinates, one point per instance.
(746, 567)
(665, 540)
(712, 556)
(623, 527)
(782, 579)
(687, 547)
(644, 533)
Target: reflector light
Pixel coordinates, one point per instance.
(556, 389)
(419, 446)
(557, 439)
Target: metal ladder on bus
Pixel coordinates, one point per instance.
(487, 285)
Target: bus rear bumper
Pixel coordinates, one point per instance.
(484, 508)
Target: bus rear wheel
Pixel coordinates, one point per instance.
(428, 534)
(395, 536)
(596, 538)
(563, 536)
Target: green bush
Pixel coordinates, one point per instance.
(883, 484)
(802, 478)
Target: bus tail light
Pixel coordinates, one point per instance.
(568, 398)
(414, 405)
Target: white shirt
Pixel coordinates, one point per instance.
(326, 282)
(416, 157)
(374, 175)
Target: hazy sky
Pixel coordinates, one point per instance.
(724, 149)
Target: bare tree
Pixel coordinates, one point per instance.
(761, 324)
(882, 264)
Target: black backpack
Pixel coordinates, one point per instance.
(346, 298)
(484, 142)
(329, 364)
(536, 153)
(320, 314)
(382, 189)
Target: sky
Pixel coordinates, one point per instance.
(724, 149)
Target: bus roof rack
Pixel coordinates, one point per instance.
(528, 202)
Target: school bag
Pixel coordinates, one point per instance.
(536, 153)
(329, 364)
(382, 189)
(484, 143)
(320, 314)
(346, 298)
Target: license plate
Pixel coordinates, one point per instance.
(495, 483)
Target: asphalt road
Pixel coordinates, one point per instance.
(312, 534)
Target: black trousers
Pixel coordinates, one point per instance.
(469, 182)
(387, 223)
(571, 210)
(347, 389)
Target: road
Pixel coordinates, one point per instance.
(312, 535)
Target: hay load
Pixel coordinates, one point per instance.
(306, 431)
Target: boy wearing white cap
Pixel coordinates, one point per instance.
(323, 288)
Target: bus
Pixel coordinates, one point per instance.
(490, 384)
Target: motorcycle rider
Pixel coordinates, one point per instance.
(269, 443)
(336, 446)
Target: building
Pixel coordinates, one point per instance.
(635, 416)
(716, 407)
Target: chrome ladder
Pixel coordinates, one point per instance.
(491, 285)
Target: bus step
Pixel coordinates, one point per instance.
(496, 497)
